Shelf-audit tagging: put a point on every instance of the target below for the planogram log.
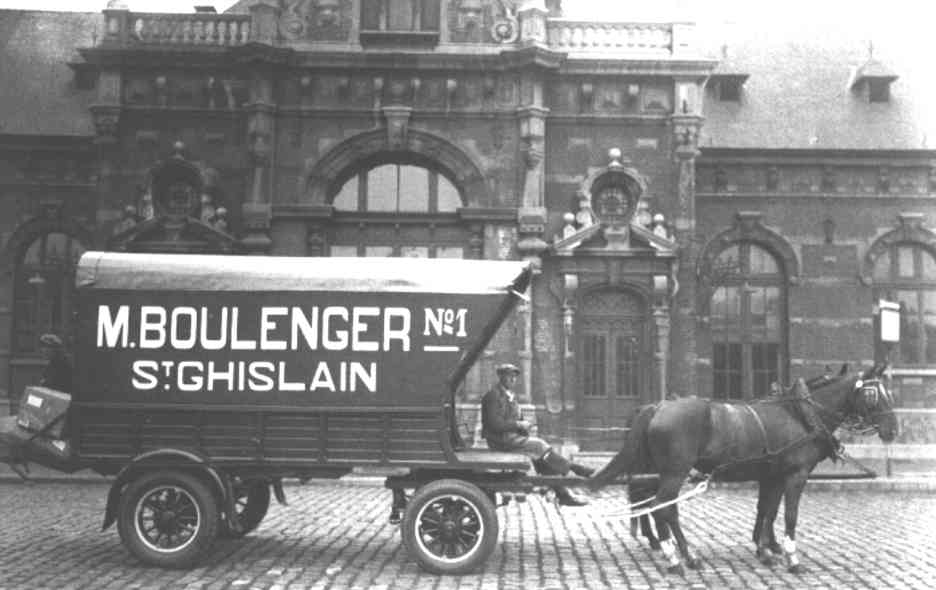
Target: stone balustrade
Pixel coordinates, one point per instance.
(205, 29)
(227, 30)
(598, 37)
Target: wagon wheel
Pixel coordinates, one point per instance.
(251, 502)
(450, 527)
(168, 519)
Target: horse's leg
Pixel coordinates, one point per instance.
(646, 529)
(668, 489)
(636, 493)
(771, 491)
(759, 519)
(791, 498)
(692, 562)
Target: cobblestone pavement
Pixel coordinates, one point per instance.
(335, 535)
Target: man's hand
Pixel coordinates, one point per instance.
(523, 426)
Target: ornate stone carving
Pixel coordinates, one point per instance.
(829, 181)
(884, 180)
(106, 120)
(397, 125)
(532, 15)
(773, 178)
(467, 19)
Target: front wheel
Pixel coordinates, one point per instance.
(450, 527)
(168, 518)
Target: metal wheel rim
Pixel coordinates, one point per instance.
(444, 545)
(167, 513)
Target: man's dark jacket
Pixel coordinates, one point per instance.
(499, 419)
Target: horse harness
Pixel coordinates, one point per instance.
(810, 411)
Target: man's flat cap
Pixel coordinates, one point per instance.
(507, 368)
(51, 340)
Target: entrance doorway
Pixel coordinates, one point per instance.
(612, 366)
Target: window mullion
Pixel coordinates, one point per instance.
(362, 191)
(433, 191)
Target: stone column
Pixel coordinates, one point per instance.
(685, 141)
(257, 210)
(661, 325)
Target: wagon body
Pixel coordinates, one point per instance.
(201, 382)
(293, 364)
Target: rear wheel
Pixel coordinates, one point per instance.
(168, 518)
(251, 502)
(450, 527)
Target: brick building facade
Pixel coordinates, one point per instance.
(708, 214)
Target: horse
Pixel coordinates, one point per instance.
(640, 492)
(770, 443)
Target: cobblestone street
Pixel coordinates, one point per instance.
(335, 535)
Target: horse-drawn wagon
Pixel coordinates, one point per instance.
(201, 382)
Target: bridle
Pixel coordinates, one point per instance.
(871, 394)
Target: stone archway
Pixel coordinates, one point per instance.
(748, 228)
(328, 170)
(910, 229)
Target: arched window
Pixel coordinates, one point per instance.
(747, 313)
(44, 284)
(398, 209)
(906, 273)
(398, 188)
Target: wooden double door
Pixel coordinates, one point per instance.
(613, 366)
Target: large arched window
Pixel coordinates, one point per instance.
(398, 209)
(398, 188)
(906, 273)
(43, 289)
(747, 314)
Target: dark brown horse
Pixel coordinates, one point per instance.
(640, 492)
(776, 444)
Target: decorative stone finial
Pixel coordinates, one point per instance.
(178, 149)
(615, 155)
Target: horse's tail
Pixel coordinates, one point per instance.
(632, 456)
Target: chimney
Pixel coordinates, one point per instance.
(206, 10)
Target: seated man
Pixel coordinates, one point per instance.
(505, 430)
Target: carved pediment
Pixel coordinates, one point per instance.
(169, 234)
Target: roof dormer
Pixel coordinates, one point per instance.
(726, 79)
(873, 80)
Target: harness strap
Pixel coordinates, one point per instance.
(760, 424)
(700, 488)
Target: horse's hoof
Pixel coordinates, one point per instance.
(765, 558)
(797, 569)
(655, 545)
(676, 569)
(775, 548)
(694, 564)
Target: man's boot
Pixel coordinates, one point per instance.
(581, 470)
(552, 463)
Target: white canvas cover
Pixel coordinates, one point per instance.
(201, 272)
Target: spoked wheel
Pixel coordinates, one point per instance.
(251, 502)
(450, 527)
(168, 519)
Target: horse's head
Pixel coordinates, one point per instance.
(872, 404)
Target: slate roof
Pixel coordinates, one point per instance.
(37, 87)
(799, 91)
